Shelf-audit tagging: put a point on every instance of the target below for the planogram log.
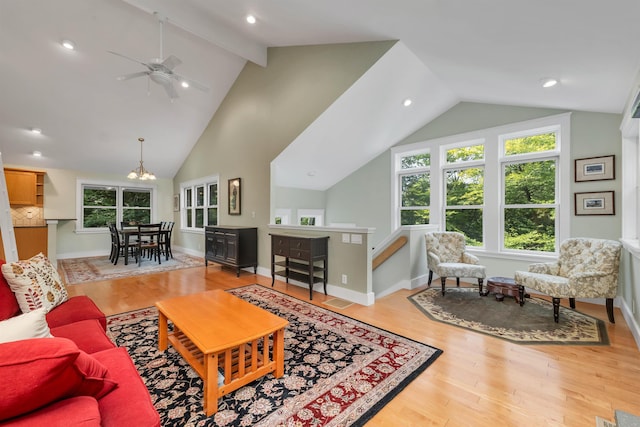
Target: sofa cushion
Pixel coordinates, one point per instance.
(8, 304)
(35, 372)
(88, 335)
(95, 378)
(28, 325)
(75, 309)
(35, 283)
(80, 411)
(39, 371)
(130, 403)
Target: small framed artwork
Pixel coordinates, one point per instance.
(234, 196)
(601, 203)
(596, 168)
(176, 203)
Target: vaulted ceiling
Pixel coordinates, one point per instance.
(494, 51)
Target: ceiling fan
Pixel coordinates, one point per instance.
(160, 70)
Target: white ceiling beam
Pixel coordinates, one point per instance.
(207, 27)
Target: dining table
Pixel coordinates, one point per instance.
(127, 232)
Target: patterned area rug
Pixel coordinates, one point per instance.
(338, 371)
(83, 270)
(530, 324)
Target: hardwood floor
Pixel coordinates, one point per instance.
(478, 381)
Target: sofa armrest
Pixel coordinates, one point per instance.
(551, 268)
(468, 258)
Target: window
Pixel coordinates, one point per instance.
(501, 187)
(200, 206)
(530, 189)
(282, 216)
(464, 192)
(104, 204)
(415, 189)
(312, 217)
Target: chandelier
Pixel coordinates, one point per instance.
(140, 172)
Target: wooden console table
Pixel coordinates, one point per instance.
(302, 258)
(232, 246)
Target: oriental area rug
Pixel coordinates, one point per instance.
(338, 371)
(93, 269)
(530, 324)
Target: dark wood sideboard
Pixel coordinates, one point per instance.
(232, 246)
(301, 258)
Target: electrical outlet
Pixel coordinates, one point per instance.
(344, 279)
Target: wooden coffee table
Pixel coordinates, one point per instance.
(502, 286)
(215, 330)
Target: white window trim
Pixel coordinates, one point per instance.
(630, 129)
(119, 184)
(318, 214)
(492, 201)
(205, 181)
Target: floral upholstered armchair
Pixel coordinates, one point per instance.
(447, 256)
(586, 268)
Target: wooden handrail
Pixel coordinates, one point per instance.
(388, 251)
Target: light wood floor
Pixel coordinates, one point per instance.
(478, 381)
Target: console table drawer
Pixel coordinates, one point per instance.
(299, 244)
(298, 254)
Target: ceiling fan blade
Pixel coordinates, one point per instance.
(130, 59)
(171, 91)
(191, 82)
(132, 75)
(171, 62)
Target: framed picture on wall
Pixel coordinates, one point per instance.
(235, 196)
(600, 203)
(595, 168)
(176, 202)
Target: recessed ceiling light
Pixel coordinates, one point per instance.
(549, 82)
(251, 19)
(68, 44)
(407, 102)
(36, 130)
(184, 84)
(311, 173)
(37, 154)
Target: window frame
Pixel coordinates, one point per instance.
(119, 186)
(493, 231)
(193, 204)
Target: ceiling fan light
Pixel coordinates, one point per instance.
(184, 84)
(251, 19)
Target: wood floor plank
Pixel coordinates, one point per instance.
(478, 381)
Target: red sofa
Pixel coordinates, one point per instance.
(77, 378)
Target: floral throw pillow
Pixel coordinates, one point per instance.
(36, 283)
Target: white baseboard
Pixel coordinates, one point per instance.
(631, 321)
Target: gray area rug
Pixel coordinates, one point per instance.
(530, 324)
(92, 269)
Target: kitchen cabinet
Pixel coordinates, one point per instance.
(30, 241)
(25, 187)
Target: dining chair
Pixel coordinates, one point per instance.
(117, 247)
(152, 246)
(167, 230)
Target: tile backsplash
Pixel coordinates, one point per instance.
(27, 216)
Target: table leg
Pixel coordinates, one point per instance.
(521, 294)
(278, 352)
(126, 249)
(210, 384)
(163, 331)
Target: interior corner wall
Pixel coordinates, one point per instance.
(263, 112)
